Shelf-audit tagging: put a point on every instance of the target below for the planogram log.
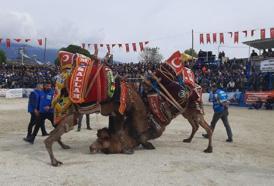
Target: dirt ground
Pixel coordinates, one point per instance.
(247, 161)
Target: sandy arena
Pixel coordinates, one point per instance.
(247, 161)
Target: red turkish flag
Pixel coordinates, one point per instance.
(252, 32)
(108, 47)
(146, 42)
(262, 33)
(175, 62)
(40, 42)
(236, 37)
(83, 45)
(8, 43)
(188, 77)
(214, 37)
(245, 32)
(201, 38)
(95, 49)
(120, 45)
(27, 40)
(272, 33)
(208, 38)
(134, 47)
(141, 46)
(17, 40)
(222, 38)
(127, 47)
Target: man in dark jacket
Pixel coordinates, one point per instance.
(33, 109)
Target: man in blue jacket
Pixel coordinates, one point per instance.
(45, 110)
(33, 109)
(220, 107)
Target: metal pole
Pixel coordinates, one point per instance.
(45, 49)
(192, 45)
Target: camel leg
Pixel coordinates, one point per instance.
(64, 146)
(194, 126)
(55, 135)
(207, 128)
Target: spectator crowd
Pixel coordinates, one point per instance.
(230, 75)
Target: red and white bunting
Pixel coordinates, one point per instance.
(120, 45)
(40, 42)
(141, 44)
(17, 40)
(214, 37)
(134, 47)
(245, 32)
(272, 33)
(208, 38)
(262, 33)
(201, 38)
(222, 40)
(236, 37)
(8, 43)
(127, 47)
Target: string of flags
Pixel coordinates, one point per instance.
(212, 37)
(19, 40)
(139, 46)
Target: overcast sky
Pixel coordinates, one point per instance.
(166, 24)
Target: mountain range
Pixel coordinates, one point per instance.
(13, 53)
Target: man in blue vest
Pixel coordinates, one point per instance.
(45, 110)
(33, 109)
(220, 107)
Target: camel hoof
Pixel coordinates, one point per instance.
(128, 151)
(187, 140)
(208, 150)
(148, 146)
(56, 163)
(66, 147)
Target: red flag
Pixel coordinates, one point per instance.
(230, 33)
(113, 45)
(175, 62)
(83, 45)
(134, 47)
(252, 32)
(208, 38)
(40, 42)
(8, 43)
(127, 47)
(222, 38)
(101, 45)
(201, 38)
(272, 33)
(120, 45)
(262, 33)
(141, 46)
(146, 42)
(214, 37)
(245, 32)
(27, 40)
(108, 47)
(17, 40)
(236, 37)
(95, 49)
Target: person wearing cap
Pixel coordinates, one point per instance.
(220, 107)
(33, 109)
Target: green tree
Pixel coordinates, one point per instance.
(74, 49)
(191, 52)
(151, 55)
(3, 58)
